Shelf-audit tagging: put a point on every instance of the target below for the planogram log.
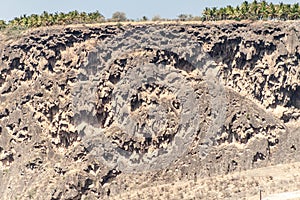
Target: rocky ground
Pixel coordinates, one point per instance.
(157, 111)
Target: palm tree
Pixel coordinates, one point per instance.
(229, 12)
(2, 24)
(213, 13)
(206, 13)
(244, 8)
(254, 9)
(33, 20)
(96, 17)
(295, 14)
(287, 8)
(221, 14)
(272, 11)
(237, 13)
(281, 11)
(14, 22)
(24, 21)
(61, 18)
(263, 11)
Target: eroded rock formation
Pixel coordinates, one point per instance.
(44, 154)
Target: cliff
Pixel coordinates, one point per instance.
(95, 111)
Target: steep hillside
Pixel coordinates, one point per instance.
(93, 112)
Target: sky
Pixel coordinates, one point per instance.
(134, 9)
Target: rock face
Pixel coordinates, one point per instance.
(91, 112)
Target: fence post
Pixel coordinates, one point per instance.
(260, 196)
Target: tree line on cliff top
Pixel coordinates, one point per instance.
(252, 11)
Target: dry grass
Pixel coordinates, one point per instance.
(238, 185)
